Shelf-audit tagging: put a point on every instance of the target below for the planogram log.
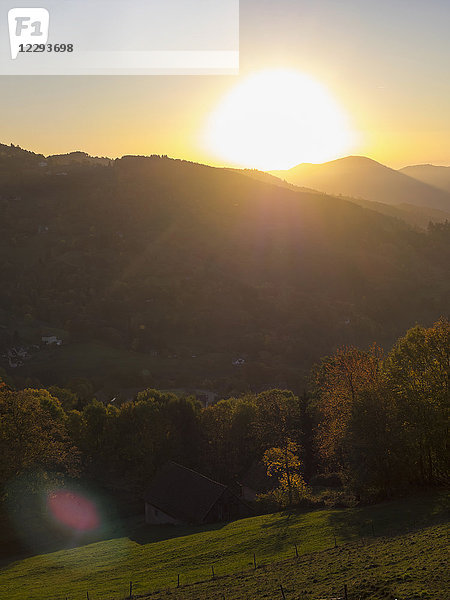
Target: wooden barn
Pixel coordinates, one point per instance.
(256, 481)
(180, 495)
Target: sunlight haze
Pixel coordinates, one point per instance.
(224, 299)
(384, 65)
(277, 119)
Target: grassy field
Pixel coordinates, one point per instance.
(408, 567)
(153, 557)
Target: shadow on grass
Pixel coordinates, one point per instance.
(390, 518)
(150, 534)
(386, 519)
(37, 538)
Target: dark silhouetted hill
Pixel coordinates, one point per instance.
(77, 158)
(169, 257)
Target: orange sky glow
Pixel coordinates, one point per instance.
(375, 83)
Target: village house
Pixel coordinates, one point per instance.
(239, 362)
(180, 495)
(51, 340)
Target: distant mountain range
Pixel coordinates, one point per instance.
(436, 176)
(417, 216)
(363, 178)
(415, 194)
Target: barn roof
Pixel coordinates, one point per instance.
(256, 478)
(182, 493)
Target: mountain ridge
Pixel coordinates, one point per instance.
(416, 216)
(435, 175)
(163, 256)
(365, 178)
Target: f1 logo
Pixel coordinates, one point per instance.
(27, 26)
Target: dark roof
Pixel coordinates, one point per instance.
(256, 478)
(182, 493)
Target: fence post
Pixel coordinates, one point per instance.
(296, 551)
(131, 589)
(345, 592)
(282, 592)
(87, 595)
(178, 580)
(254, 560)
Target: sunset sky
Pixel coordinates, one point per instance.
(384, 65)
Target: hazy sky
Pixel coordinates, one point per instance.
(385, 62)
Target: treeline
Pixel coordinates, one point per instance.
(378, 423)
(382, 422)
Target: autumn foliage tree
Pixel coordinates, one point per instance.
(383, 424)
(338, 381)
(285, 464)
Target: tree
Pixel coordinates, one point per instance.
(278, 419)
(129, 443)
(228, 437)
(68, 399)
(418, 372)
(285, 464)
(337, 382)
(376, 461)
(33, 434)
(384, 424)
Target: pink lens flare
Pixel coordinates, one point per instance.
(73, 510)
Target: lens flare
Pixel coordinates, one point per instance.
(73, 511)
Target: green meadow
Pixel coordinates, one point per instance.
(392, 546)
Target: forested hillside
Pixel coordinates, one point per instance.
(167, 257)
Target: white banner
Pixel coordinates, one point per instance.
(107, 37)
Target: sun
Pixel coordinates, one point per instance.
(277, 119)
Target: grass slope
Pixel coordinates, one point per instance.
(152, 557)
(408, 567)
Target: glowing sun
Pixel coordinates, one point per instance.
(277, 119)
